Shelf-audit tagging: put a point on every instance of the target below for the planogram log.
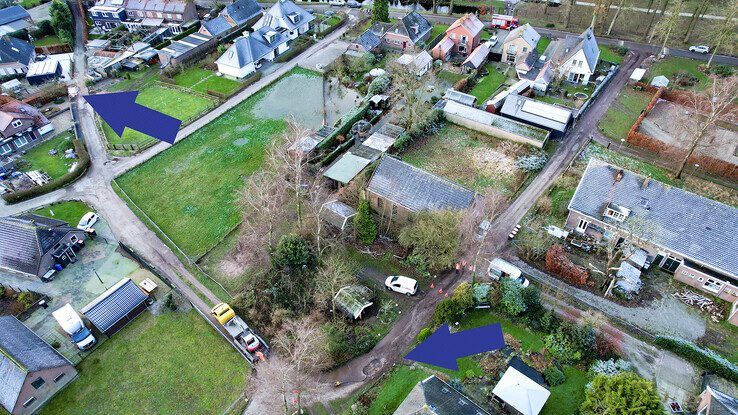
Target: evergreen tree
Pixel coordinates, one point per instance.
(622, 394)
(380, 11)
(61, 21)
(366, 229)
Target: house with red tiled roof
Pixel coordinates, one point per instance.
(21, 126)
(462, 37)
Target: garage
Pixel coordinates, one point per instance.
(116, 307)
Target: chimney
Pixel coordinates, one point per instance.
(646, 180)
(619, 175)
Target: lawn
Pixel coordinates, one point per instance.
(469, 158)
(670, 66)
(55, 166)
(543, 43)
(390, 391)
(171, 101)
(437, 30)
(70, 212)
(48, 40)
(202, 80)
(607, 53)
(171, 364)
(567, 397)
(621, 116)
(488, 84)
(450, 77)
(191, 189)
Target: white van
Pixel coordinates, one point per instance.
(72, 324)
(499, 268)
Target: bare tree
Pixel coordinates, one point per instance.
(624, 243)
(333, 275)
(621, 4)
(699, 9)
(648, 34)
(472, 238)
(724, 35)
(569, 10)
(317, 193)
(709, 107)
(409, 91)
(599, 13)
(667, 24)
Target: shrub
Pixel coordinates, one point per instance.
(685, 79)
(379, 85)
(553, 376)
(722, 70)
(432, 122)
(464, 296)
(621, 395)
(559, 263)
(456, 384)
(170, 303)
(550, 322)
(610, 367)
(55, 344)
(544, 205)
(346, 342)
(43, 28)
(25, 298)
(532, 162)
(621, 50)
(561, 348)
(432, 236)
(366, 228)
(512, 297)
(447, 311)
(462, 85)
(704, 358)
(292, 253)
(424, 333)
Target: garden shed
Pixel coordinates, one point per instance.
(337, 214)
(521, 387)
(660, 81)
(116, 307)
(353, 300)
(346, 168)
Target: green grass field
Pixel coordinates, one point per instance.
(450, 77)
(621, 116)
(169, 364)
(489, 84)
(70, 212)
(55, 166)
(202, 80)
(608, 54)
(48, 40)
(670, 66)
(191, 189)
(567, 397)
(437, 30)
(171, 101)
(542, 44)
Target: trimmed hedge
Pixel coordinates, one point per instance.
(333, 28)
(704, 358)
(345, 126)
(82, 165)
(295, 49)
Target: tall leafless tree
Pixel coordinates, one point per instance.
(621, 5)
(709, 107)
(699, 9)
(665, 27)
(723, 35)
(333, 275)
(409, 92)
(472, 238)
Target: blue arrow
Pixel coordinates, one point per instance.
(443, 348)
(119, 110)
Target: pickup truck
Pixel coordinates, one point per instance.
(251, 345)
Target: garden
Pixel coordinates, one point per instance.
(70, 212)
(166, 364)
(203, 80)
(682, 72)
(191, 190)
(623, 113)
(49, 156)
(488, 84)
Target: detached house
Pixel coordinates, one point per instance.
(234, 17)
(684, 234)
(21, 126)
(285, 16)
(398, 189)
(13, 19)
(32, 245)
(407, 32)
(249, 51)
(520, 43)
(15, 56)
(31, 371)
(575, 57)
(462, 37)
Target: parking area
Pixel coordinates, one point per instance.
(100, 264)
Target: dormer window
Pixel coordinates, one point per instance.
(17, 123)
(614, 214)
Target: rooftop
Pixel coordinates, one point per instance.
(488, 118)
(536, 112)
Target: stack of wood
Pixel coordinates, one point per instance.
(705, 304)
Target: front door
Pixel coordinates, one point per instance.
(404, 45)
(671, 264)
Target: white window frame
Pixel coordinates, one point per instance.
(29, 402)
(581, 228)
(17, 141)
(613, 214)
(713, 285)
(6, 149)
(16, 123)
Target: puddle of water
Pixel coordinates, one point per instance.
(299, 96)
(241, 142)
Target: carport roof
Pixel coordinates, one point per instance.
(114, 304)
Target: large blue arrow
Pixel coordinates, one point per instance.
(119, 110)
(443, 348)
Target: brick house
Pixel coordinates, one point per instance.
(684, 234)
(31, 371)
(397, 189)
(142, 14)
(462, 37)
(407, 32)
(21, 126)
(519, 43)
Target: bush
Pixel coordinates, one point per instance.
(621, 50)
(553, 376)
(512, 297)
(79, 170)
(722, 70)
(55, 344)
(170, 303)
(43, 28)
(295, 49)
(561, 348)
(532, 162)
(559, 263)
(685, 79)
(610, 367)
(447, 311)
(379, 85)
(292, 253)
(621, 395)
(550, 322)
(704, 358)
(464, 296)
(346, 342)
(433, 237)
(432, 122)
(25, 298)
(425, 332)
(366, 229)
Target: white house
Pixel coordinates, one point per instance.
(575, 57)
(286, 15)
(421, 63)
(249, 51)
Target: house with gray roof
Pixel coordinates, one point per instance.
(251, 50)
(33, 245)
(369, 41)
(116, 307)
(408, 32)
(15, 56)
(287, 17)
(13, 19)
(519, 43)
(398, 189)
(718, 397)
(687, 235)
(233, 18)
(574, 58)
(433, 396)
(31, 371)
(192, 47)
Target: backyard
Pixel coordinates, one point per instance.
(55, 165)
(621, 116)
(174, 363)
(203, 80)
(609, 54)
(671, 66)
(70, 212)
(191, 190)
(180, 103)
(48, 40)
(488, 84)
(471, 159)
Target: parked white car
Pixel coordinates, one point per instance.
(402, 285)
(337, 2)
(700, 49)
(89, 219)
(499, 268)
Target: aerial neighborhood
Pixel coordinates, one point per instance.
(353, 207)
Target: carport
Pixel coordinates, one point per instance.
(116, 307)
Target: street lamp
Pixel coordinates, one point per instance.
(622, 141)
